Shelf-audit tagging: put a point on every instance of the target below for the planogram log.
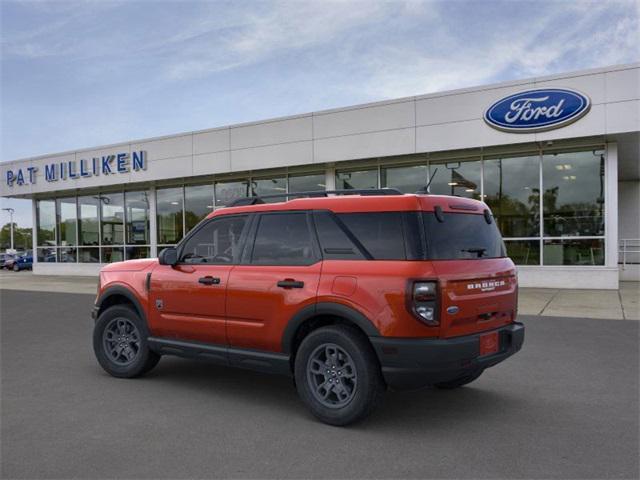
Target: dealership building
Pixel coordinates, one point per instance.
(556, 158)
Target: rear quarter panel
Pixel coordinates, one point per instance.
(380, 291)
(377, 289)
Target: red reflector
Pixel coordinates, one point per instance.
(489, 343)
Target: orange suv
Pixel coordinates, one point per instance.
(349, 292)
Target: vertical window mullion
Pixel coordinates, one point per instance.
(99, 228)
(482, 178)
(184, 220)
(213, 196)
(541, 197)
(605, 193)
(125, 219)
(56, 221)
(77, 232)
(124, 224)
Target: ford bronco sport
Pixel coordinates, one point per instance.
(349, 292)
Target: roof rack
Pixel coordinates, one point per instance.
(259, 199)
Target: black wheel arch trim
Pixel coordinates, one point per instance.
(121, 291)
(325, 308)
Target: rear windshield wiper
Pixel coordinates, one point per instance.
(479, 250)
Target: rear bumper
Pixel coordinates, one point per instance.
(415, 363)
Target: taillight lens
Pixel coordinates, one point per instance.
(515, 315)
(424, 296)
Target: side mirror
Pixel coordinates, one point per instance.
(168, 256)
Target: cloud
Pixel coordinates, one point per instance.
(52, 27)
(100, 72)
(286, 27)
(527, 47)
(428, 56)
(403, 48)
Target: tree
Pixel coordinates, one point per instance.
(21, 237)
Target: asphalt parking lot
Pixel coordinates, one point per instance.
(566, 406)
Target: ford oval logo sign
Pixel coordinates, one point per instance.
(537, 110)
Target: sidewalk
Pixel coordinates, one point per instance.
(612, 304)
(623, 304)
(25, 280)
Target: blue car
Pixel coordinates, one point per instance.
(23, 262)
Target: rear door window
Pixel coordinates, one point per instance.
(283, 239)
(462, 236)
(381, 233)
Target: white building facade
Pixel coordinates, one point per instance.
(556, 158)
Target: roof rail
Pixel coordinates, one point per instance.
(259, 199)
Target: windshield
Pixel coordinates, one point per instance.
(462, 236)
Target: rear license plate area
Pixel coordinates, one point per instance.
(489, 344)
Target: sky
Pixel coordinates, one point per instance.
(86, 73)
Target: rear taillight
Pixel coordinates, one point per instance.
(515, 313)
(424, 302)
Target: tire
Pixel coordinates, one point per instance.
(131, 358)
(16, 268)
(460, 381)
(342, 358)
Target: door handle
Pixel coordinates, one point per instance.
(290, 283)
(208, 280)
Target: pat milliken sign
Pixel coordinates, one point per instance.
(537, 110)
(117, 163)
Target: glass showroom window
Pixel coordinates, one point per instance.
(307, 183)
(88, 229)
(573, 208)
(112, 254)
(227, 192)
(112, 226)
(573, 194)
(358, 180)
(269, 186)
(67, 228)
(406, 179)
(523, 252)
(137, 224)
(198, 203)
(574, 251)
(460, 178)
(170, 221)
(512, 190)
(46, 230)
(112, 218)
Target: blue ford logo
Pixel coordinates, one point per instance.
(537, 110)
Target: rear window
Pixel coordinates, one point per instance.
(462, 236)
